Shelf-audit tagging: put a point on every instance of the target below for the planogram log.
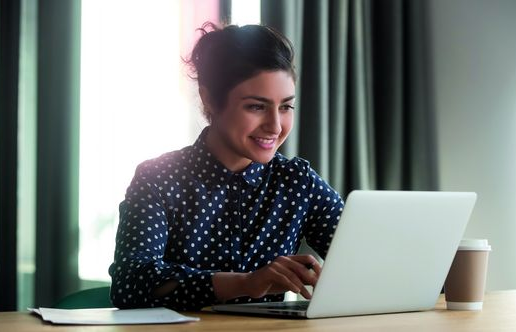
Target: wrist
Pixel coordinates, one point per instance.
(229, 285)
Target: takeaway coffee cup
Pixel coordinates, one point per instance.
(465, 284)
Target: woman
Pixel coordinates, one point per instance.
(222, 220)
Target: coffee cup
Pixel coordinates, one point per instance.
(465, 284)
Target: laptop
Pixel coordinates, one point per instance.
(390, 253)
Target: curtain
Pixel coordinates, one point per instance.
(9, 53)
(57, 224)
(364, 106)
(57, 83)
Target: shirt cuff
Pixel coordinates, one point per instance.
(195, 290)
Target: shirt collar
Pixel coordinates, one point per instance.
(209, 169)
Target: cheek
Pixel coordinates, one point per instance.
(231, 120)
(239, 125)
(286, 124)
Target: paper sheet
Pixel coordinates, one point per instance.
(112, 316)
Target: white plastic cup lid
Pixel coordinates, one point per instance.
(474, 244)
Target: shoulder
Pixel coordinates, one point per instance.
(165, 163)
(295, 168)
(294, 164)
(298, 170)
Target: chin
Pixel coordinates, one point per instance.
(264, 159)
(261, 156)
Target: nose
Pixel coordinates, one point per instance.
(273, 121)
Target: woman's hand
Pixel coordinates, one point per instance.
(285, 273)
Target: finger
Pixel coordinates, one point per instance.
(300, 266)
(309, 261)
(317, 268)
(285, 276)
(305, 293)
(307, 267)
(297, 265)
(294, 282)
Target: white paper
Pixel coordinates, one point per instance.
(112, 316)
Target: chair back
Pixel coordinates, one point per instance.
(88, 298)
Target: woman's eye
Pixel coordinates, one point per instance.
(287, 107)
(254, 107)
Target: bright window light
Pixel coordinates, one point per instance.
(245, 12)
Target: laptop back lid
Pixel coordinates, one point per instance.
(391, 252)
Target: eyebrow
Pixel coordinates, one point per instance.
(266, 100)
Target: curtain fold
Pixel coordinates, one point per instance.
(359, 160)
(57, 237)
(338, 28)
(364, 107)
(9, 64)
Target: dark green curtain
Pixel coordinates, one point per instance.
(364, 106)
(9, 54)
(57, 229)
(58, 65)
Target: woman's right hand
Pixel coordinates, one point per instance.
(285, 273)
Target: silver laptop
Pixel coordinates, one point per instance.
(390, 253)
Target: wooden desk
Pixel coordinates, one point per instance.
(499, 314)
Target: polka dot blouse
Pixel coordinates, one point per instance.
(185, 217)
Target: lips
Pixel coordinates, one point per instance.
(265, 143)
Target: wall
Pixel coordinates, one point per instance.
(474, 60)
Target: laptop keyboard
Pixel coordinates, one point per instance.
(287, 305)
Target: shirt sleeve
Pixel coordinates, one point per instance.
(140, 265)
(323, 215)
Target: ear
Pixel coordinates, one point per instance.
(206, 100)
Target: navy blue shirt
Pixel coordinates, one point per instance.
(185, 217)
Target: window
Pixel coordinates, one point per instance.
(245, 12)
(136, 103)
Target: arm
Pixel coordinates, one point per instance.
(140, 266)
(290, 273)
(324, 213)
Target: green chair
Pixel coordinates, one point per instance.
(89, 298)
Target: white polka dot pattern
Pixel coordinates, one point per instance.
(185, 217)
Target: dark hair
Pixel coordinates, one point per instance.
(225, 57)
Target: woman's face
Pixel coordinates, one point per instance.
(256, 120)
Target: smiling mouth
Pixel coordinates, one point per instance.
(266, 143)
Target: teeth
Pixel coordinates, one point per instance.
(264, 140)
